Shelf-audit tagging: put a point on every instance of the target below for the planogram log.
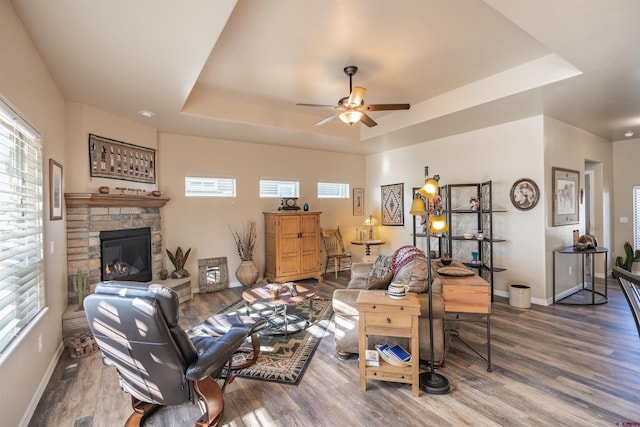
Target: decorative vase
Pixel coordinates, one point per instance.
(247, 273)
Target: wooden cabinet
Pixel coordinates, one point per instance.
(381, 315)
(292, 246)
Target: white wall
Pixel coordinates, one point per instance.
(569, 148)
(27, 85)
(202, 224)
(502, 154)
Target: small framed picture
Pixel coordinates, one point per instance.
(358, 201)
(525, 194)
(55, 190)
(565, 184)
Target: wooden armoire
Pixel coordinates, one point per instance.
(292, 246)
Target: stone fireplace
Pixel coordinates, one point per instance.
(126, 254)
(88, 215)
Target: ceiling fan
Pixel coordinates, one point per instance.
(352, 108)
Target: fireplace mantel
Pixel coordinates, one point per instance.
(114, 200)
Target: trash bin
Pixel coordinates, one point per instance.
(520, 296)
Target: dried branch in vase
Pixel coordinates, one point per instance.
(246, 241)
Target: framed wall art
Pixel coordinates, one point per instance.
(393, 204)
(358, 201)
(565, 184)
(525, 194)
(109, 158)
(55, 190)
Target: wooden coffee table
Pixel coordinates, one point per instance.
(278, 321)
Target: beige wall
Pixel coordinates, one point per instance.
(202, 224)
(502, 154)
(626, 175)
(81, 120)
(26, 84)
(569, 148)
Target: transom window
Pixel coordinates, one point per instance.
(279, 188)
(209, 187)
(333, 190)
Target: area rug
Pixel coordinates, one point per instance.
(284, 360)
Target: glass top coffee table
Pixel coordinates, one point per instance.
(271, 301)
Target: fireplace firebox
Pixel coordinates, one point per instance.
(126, 254)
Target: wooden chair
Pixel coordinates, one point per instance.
(630, 284)
(334, 247)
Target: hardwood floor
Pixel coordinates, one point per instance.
(560, 365)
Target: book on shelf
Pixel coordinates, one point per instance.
(372, 358)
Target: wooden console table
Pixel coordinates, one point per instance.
(382, 315)
(466, 299)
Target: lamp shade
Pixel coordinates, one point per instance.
(370, 222)
(429, 189)
(418, 207)
(438, 224)
(351, 117)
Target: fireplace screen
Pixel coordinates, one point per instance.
(126, 254)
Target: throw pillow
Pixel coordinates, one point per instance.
(374, 282)
(381, 266)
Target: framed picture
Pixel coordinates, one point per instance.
(525, 194)
(565, 196)
(55, 190)
(109, 158)
(393, 204)
(358, 201)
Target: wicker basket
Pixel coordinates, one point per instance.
(394, 362)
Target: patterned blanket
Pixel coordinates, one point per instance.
(405, 254)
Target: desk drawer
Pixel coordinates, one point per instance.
(390, 320)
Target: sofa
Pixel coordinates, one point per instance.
(409, 269)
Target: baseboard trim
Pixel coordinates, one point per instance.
(31, 409)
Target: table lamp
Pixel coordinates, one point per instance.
(370, 222)
(430, 381)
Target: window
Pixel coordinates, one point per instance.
(636, 217)
(21, 224)
(333, 190)
(209, 187)
(273, 188)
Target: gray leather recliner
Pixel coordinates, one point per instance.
(136, 327)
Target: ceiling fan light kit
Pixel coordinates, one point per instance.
(353, 106)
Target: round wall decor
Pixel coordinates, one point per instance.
(525, 194)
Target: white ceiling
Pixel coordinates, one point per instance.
(234, 69)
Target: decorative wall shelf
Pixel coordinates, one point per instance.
(114, 200)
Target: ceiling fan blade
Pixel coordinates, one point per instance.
(382, 107)
(367, 120)
(300, 104)
(357, 96)
(326, 120)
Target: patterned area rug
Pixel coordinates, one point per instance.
(284, 360)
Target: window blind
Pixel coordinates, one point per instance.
(209, 187)
(636, 217)
(21, 225)
(274, 188)
(333, 190)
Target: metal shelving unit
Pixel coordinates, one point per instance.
(462, 219)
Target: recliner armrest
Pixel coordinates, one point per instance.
(214, 353)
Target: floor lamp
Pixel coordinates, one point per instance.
(430, 381)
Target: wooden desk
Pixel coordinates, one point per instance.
(382, 315)
(467, 295)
